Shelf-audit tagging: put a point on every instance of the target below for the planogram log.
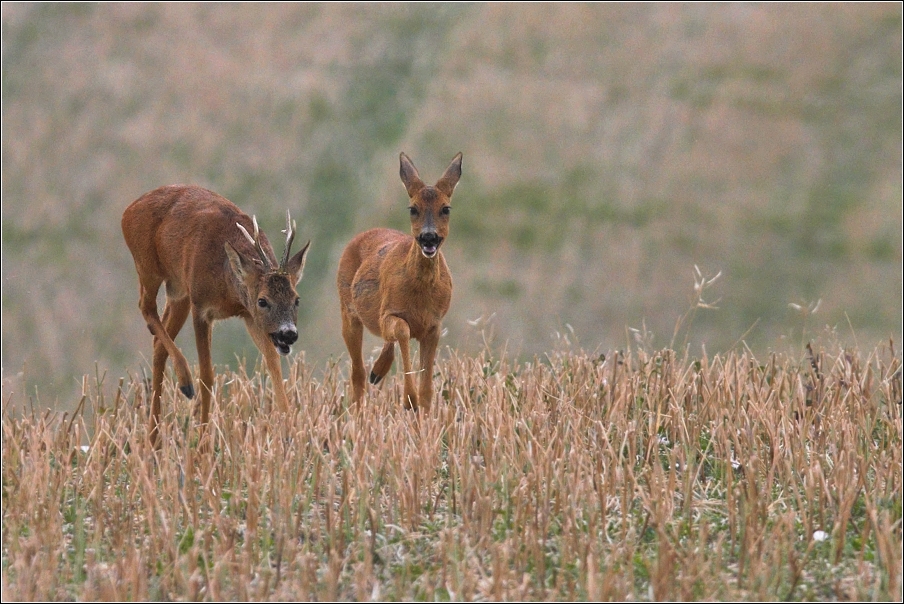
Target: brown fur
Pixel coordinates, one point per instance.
(387, 284)
(186, 237)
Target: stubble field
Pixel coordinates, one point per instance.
(642, 474)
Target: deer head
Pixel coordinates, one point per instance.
(268, 291)
(430, 206)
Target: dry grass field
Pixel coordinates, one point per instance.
(643, 474)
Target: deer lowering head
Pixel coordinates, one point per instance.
(267, 290)
(399, 287)
(198, 244)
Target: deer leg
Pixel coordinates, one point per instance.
(274, 365)
(383, 363)
(174, 314)
(397, 330)
(148, 306)
(353, 334)
(428, 353)
(202, 341)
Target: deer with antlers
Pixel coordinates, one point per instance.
(399, 287)
(198, 244)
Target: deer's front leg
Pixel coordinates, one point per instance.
(396, 330)
(202, 341)
(383, 363)
(428, 354)
(353, 334)
(274, 365)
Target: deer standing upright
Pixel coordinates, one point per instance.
(399, 287)
(198, 244)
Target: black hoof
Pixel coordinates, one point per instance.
(374, 378)
(188, 390)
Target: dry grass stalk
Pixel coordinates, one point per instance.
(641, 475)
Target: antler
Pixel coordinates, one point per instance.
(256, 242)
(290, 236)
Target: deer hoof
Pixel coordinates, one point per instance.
(374, 378)
(188, 390)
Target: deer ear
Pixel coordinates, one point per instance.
(239, 265)
(295, 266)
(447, 183)
(410, 177)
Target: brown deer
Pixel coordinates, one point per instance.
(399, 287)
(198, 244)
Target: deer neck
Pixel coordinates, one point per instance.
(423, 269)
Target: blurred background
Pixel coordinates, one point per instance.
(608, 151)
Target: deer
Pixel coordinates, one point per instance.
(399, 287)
(197, 243)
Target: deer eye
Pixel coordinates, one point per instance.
(296, 302)
(413, 211)
(262, 303)
(446, 210)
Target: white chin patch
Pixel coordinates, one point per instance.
(429, 251)
(283, 349)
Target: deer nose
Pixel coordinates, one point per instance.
(429, 243)
(288, 334)
(428, 238)
(283, 338)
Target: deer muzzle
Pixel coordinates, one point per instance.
(283, 339)
(429, 243)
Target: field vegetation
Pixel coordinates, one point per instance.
(645, 474)
(613, 153)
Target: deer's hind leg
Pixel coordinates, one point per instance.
(180, 308)
(174, 315)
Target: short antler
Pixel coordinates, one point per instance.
(256, 242)
(290, 236)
